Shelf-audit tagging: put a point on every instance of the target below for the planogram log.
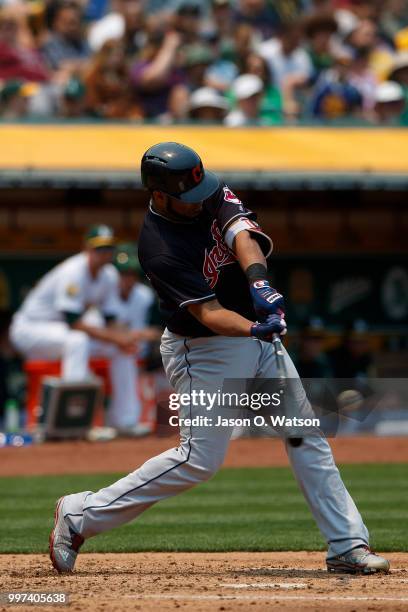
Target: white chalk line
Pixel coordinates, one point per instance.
(274, 597)
(295, 585)
(264, 585)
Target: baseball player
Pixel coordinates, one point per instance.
(50, 324)
(136, 300)
(135, 303)
(205, 256)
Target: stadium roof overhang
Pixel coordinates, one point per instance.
(285, 158)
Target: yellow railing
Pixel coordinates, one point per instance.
(119, 147)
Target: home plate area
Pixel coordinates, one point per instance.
(209, 581)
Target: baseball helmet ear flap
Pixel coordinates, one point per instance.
(178, 171)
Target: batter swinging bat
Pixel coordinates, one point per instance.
(282, 374)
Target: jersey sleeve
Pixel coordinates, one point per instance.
(227, 208)
(69, 296)
(177, 282)
(110, 306)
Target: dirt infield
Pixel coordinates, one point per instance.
(125, 455)
(202, 582)
(206, 582)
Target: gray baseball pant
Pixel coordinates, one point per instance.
(204, 364)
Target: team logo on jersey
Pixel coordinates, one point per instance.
(229, 196)
(72, 290)
(218, 256)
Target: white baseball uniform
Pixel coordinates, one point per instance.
(39, 330)
(134, 313)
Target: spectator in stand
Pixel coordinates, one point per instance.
(187, 21)
(259, 14)
(394, 18)
(157, 7)
(107, 81)
(271, 103)
(363, 35)
(220, 27)
(399, 69)
(14, 99)
(72, 100)
(289, 64)
(389, 104)
(157, 73)
(319, 30)
(312, 6)
(18, 58)
(363, 9)
(245, 41)
(399, 74)
(66, 48)
(208, 106)
(401, 40)
(232, 55)
(125, 22)
(363, 40)
(174, 47)
(334, 96)
(197, 60)
(247, 90)
(363, 78)
(177, 106)
(218, 30)
(289, 10)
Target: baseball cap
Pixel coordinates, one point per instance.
(74, 89)
(16, 87)
(389, 91)
(320, 22)
(126, 259)
(197, 54)
(400, 62)
(401, 39)
(207, 97)
(100, 236)
(247, 85)
(347, 22)
(110, 27)
(188, 7)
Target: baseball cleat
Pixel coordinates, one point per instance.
(360, 560)
(64, 542)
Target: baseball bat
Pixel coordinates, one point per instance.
(280, 360)
(282, 374)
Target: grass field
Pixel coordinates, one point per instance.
(253, 509)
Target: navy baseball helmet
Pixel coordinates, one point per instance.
(178, 171)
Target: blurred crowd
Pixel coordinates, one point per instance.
(236, 62)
